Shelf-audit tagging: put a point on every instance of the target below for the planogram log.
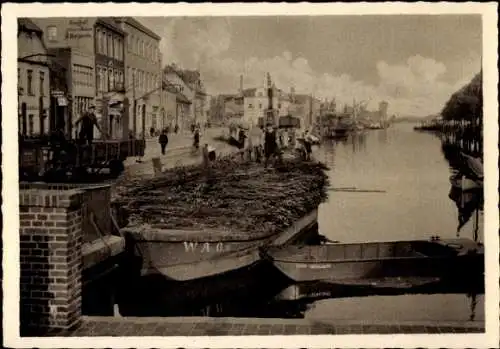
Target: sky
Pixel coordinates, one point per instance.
(415, 62)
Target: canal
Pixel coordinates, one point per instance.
(388, 184)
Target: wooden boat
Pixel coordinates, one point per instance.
(183, 255)
(353, 261)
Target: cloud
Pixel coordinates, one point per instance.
(417, 86)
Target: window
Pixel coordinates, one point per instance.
(116, 79)
(105, 81)
(30, 81)
(120, 49)
(42, 83)
(250, 106)
(116, 50)
(279, 105)
(104, 42)
(129, 75)
(52, 33)
(136, 51)
(260, 105)
(110, 45)
(111, 82)
(98, 80)
(19, 82)
(98, 41)
(31, 124)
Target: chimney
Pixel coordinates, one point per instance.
(241, 84)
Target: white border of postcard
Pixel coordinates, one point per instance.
(10, 13)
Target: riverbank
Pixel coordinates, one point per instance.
(202, 326)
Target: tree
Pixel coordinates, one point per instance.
(466, 103)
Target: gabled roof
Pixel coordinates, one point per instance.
(27, 25)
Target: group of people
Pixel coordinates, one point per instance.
(270, 145)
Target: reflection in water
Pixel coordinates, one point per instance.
(410, 168)
(419, 307)
(406, 182)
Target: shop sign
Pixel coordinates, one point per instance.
(79, 29)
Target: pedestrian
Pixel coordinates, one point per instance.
(88, 121)
(163, 140)
(270, 146)
(307, 145)
(176, 128)
(196, 138)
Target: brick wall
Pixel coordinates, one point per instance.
(51, 258)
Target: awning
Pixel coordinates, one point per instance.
(62, 101)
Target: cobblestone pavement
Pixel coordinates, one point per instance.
(180, 143)
(181, 155)
(115, 326)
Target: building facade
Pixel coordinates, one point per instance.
(109, 47)
(79, 80)
(94, 59)
(33, 79)
(305, 107)
(143, 72)
(256, 102)
(185, 95)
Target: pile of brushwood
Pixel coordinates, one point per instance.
(232, 196)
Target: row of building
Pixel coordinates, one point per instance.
(251, 104)
(67, 64)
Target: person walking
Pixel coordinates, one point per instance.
(163, 140)
(307, 145)
(196, 142)
(270, 146)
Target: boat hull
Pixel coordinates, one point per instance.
(378, 260)
(187, 255)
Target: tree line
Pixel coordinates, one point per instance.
(467, 103)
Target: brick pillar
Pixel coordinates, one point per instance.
(51, 259)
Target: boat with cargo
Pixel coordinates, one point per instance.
(199, 222)
(349, 262)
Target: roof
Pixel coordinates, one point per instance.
(110, 23)
(138, 25)
(169, 69)
(190, 76)
(249, 92)
(182, 98)
(26, 24)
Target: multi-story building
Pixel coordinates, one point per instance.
(109, 46)
(79, 81)
(305, 107)
(94, 61)
(200, 104)
(173, 77)
(256, 103)
(143, 70)
(33, 79)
